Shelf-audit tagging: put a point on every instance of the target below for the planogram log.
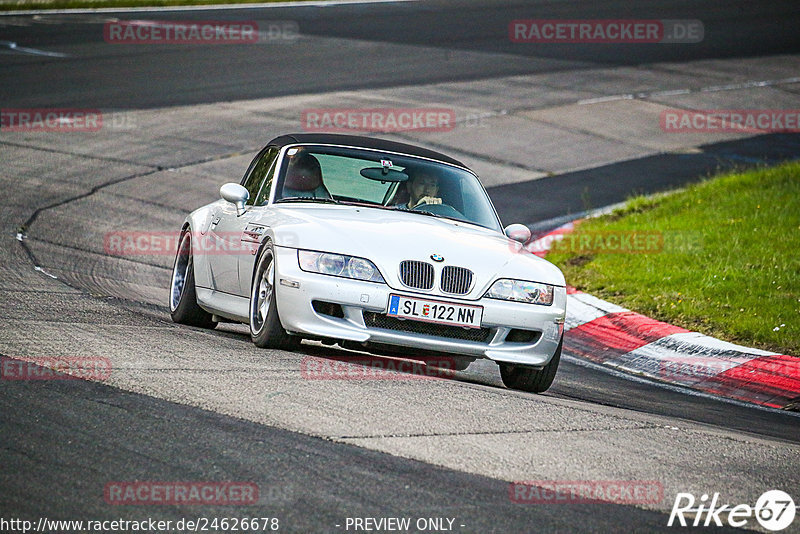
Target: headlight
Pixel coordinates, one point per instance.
(338, 265)
(521, 291)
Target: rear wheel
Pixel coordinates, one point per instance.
(183, 305)
(266, 330)
(528, 378)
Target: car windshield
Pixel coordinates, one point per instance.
(342, 175)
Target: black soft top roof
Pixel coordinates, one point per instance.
(361, 141)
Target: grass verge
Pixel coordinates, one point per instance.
(721, 257)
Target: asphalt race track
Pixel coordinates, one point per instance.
(409, 43)
(183, 404)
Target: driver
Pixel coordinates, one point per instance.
(423, 188)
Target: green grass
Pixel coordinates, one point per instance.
(729, 265)
(15, 5)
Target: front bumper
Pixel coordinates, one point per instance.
(297, 289)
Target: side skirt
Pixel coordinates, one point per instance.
(225, 305)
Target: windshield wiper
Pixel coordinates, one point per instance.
(324, 200)
(429, 214)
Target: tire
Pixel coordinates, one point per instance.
(266, 330)
(530, 379)
(183, 305)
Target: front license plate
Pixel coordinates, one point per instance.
(435, 311)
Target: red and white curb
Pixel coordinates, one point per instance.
(619, 338)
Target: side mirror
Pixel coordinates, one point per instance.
(235, 194)
(518, 232)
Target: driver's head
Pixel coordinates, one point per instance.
(423, 183)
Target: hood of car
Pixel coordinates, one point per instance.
(388, 237)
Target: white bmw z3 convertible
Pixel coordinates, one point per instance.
(374, 245)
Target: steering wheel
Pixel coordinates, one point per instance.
(439, 209)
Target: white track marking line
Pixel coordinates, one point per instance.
(610, 98)
(25, 50)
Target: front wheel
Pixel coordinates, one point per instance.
(266, 330)
(183, 305)
(530, 379)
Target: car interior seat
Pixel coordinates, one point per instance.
(304, 179)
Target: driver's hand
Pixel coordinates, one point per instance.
(429, 200)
